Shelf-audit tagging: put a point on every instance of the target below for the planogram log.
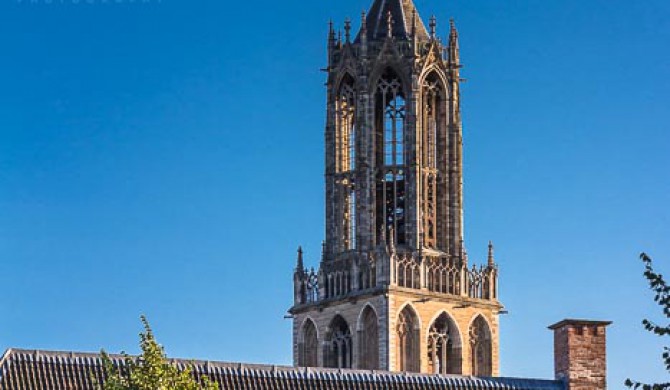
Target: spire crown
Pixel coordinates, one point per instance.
(402, 16)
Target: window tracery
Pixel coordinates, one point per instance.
(346, 126)
(338, 345)
(391, 117)
(345, 113)
(408, 341)
(432, 127)
(444, 347)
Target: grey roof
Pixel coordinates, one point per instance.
(402, 12)
(46, 370)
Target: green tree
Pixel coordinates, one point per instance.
(149, 371)
(662, 296)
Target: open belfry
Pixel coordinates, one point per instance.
(395, 290)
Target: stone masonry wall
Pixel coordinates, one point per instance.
(429, 310)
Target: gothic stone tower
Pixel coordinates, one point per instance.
(394, 290)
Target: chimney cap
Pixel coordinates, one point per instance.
(575, 322)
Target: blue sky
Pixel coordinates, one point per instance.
(166, 158)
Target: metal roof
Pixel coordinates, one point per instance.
(48, 370)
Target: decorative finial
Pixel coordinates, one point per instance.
(364, 21)
(389, 24)
(347, 30)
(491, 259)
(300, 266)
(454, 55)
(433, 25)
(413, 23)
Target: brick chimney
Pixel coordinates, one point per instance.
(580, 357)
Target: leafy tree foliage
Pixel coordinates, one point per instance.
(662, 296)
(149, 371)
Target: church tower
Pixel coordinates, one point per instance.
(394, 290)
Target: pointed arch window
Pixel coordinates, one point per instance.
(345, 116)
(369, 340)
(345, 113)
(308, 348)
(480, 348)
(337, 352)
(390, 133)
(407, 333)
(432, 139)
(444, 347)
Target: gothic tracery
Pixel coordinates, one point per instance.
(390, 134)
(444, 352)
(432, 139)
(407, 334)
(337, 353)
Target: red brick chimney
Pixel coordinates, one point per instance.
(580, 357)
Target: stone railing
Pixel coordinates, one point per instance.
(437, 274)
(444, 275)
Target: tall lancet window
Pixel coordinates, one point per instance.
(345, 114)
(432, 126)
(390, 145)
(346, 126)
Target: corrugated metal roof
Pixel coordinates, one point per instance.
(47, 370)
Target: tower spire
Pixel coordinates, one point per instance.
(300, 267)
(364, 23)
(454, 52)
(491, 259)
(363, 36)
(331, 33)
(347, 30)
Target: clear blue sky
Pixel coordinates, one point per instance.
(166, 158)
